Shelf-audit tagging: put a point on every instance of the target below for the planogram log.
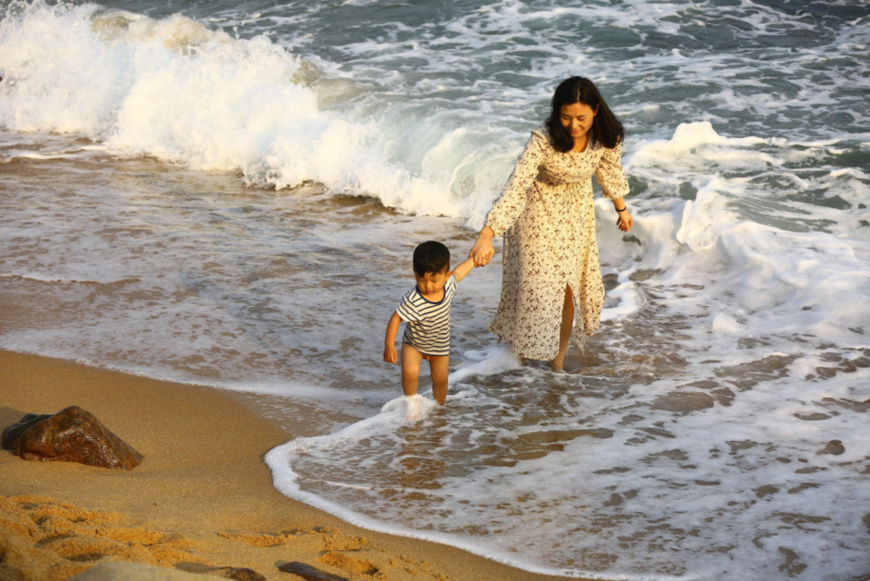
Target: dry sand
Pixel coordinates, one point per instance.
(201, 501)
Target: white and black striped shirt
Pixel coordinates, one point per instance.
(428, 324)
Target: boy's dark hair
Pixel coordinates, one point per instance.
(431, 257)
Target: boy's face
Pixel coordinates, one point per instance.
(432, 283)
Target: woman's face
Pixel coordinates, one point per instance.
(577, 119)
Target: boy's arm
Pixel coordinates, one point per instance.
(390, 354)
(463, 268)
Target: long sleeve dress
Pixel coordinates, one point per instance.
(547, 216)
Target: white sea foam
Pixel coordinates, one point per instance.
(497, 360)
(646, 477)
(669, 451)
(698, 441)
(178, 91)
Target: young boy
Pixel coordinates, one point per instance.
(426, 310)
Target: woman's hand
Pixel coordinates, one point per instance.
(624, 221)
(483, 251)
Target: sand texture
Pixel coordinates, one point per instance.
(201, 502)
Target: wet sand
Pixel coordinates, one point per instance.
(202, 500)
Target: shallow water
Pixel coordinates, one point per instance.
(233, 196)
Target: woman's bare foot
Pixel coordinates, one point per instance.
(558, 362)
(557, 367)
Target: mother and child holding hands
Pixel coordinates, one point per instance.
(551, 284)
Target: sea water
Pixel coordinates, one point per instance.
(229, 193)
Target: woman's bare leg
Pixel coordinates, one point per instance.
(558, 364)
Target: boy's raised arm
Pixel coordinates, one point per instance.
(463, 268)
(390, 353)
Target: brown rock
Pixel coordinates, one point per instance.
(14, 431)
(308, 572)
(72, 435)
(235, 573)
(241, 574)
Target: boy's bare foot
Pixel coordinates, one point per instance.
(413, 411)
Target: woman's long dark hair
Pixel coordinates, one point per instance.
(606, 128)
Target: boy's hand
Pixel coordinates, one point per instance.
(390, 355)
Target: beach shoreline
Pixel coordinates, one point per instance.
(202, 499)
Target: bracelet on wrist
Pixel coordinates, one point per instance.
(622, 210)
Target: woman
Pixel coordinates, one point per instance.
(547, 216)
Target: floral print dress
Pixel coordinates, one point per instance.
(547, 216)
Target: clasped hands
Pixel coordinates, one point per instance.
(482, 251)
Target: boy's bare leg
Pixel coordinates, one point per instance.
(558, 364)
(439, 368)
(411, 359)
